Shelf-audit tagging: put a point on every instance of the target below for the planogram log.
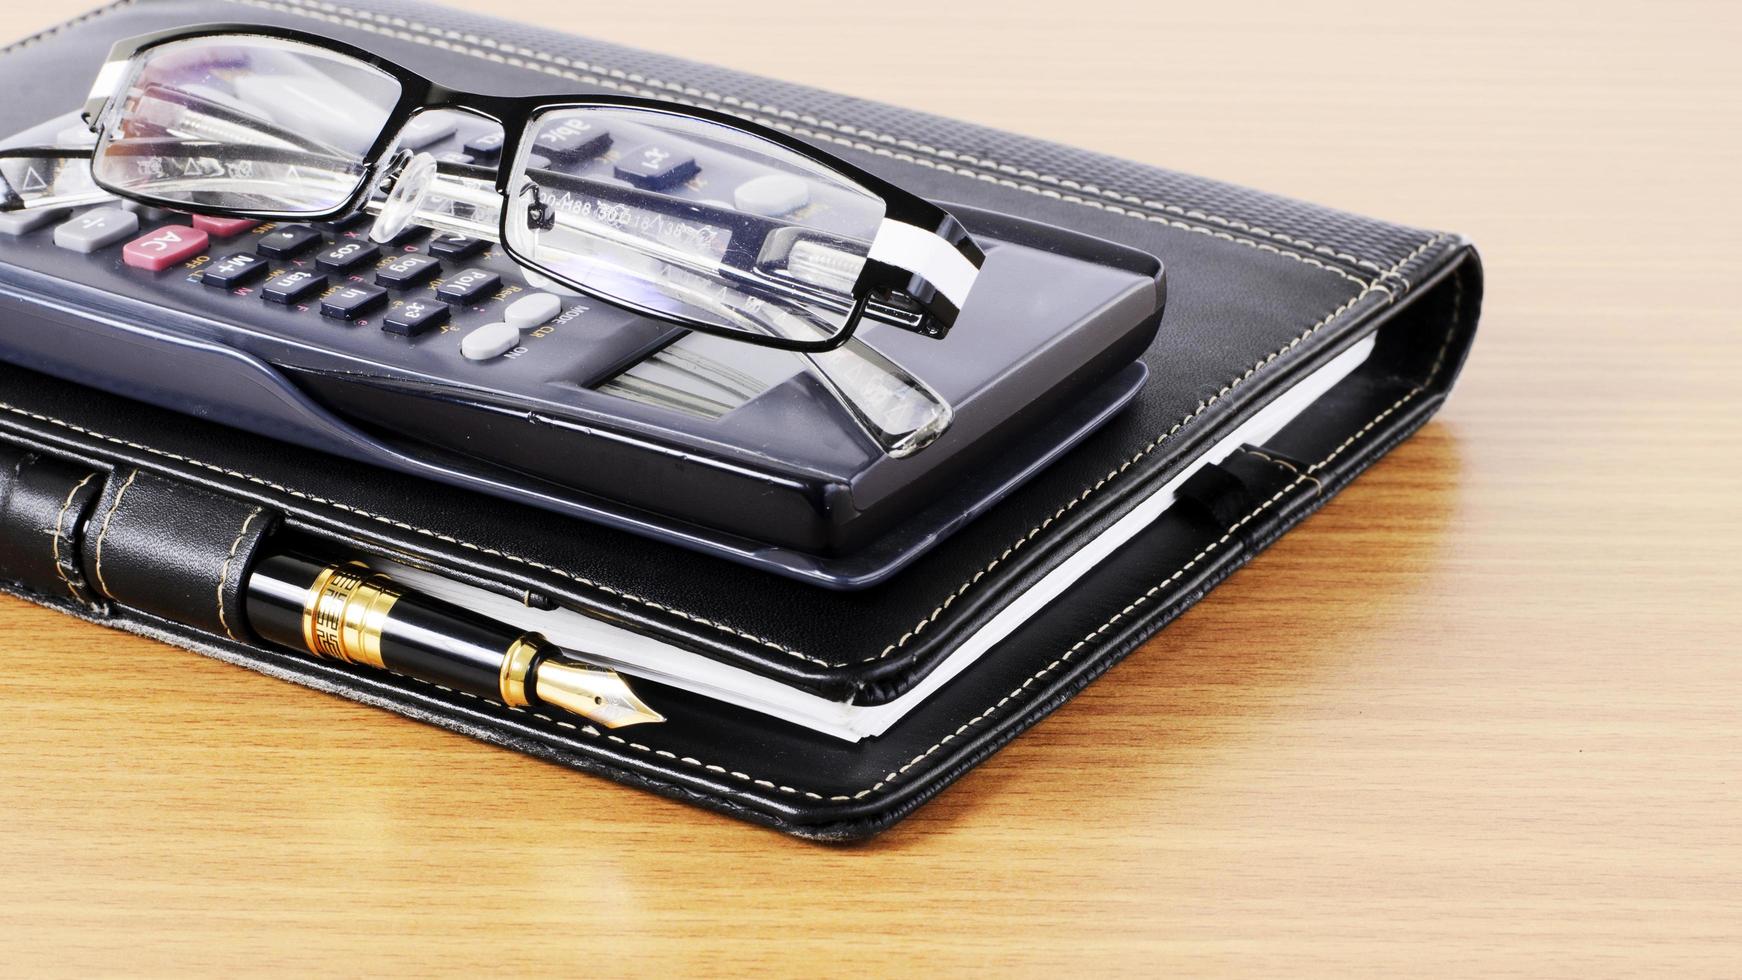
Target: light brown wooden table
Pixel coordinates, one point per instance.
(1482, 712)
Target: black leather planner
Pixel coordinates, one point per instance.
(149, 520)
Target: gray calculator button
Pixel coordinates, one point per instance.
(772, 194)
(19, 222)
(95, 228)
(531, 310)
(489, 340)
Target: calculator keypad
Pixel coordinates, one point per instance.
(425, 290)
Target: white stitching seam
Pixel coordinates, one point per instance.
(812, 120)
(224, 575)
(60, 520)
(104, 533)
(89, 15)
(878, 150)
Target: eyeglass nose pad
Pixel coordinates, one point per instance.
(412, 177)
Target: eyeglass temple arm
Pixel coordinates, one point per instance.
(920, 271)
(916, 277)
(898, 411)
(39, 178)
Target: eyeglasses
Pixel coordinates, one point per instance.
(685, 215)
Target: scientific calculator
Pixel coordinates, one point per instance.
(435, 354)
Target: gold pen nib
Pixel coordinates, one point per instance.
(597, 694)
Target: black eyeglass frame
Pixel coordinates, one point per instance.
(890, 293)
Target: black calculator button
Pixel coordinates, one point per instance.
(653, 167)
(407, 235)
(407, 271)
(573, 141)
(453, 246)
(415, 316)
(353, 220)
(455, 156)
(352, 302)
(235, 270)
(346, 256)
(293, 287)
(468, 285)
(288, 242)
(484, 147)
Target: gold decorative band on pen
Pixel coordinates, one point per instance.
(346, 609)
(515, 666)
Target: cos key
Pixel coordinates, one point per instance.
(346, 256)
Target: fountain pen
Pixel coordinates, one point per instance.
(343, 611)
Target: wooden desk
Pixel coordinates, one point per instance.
(1481, 713)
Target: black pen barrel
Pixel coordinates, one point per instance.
(441, 643)
(344, 612)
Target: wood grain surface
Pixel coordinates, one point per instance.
(1483, 712)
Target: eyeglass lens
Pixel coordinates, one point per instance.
(249, 123)
(682, 216)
